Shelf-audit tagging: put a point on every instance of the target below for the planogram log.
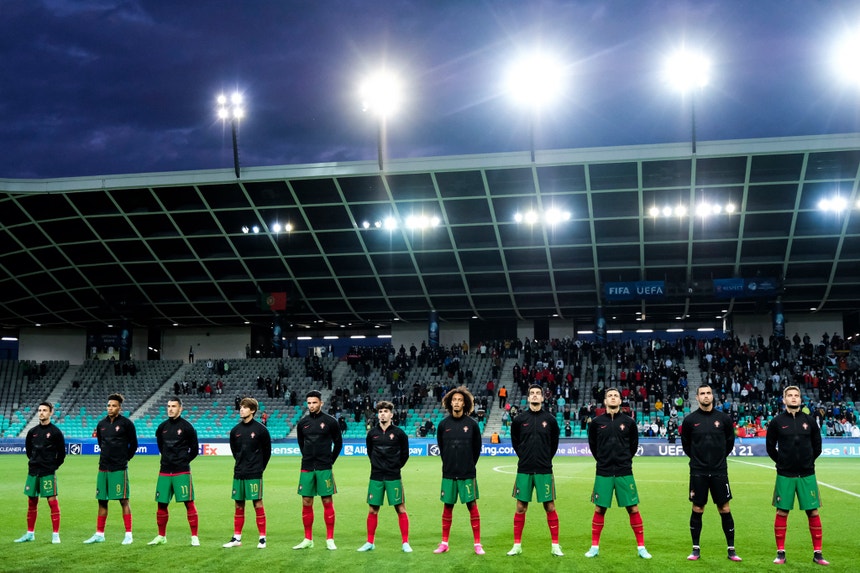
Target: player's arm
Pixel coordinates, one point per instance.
(555, 433)
(730, 437)
(265, 446)
(28, 446)
(404, 448)
(592, 438)
(633, 431)
(686, 431)
(336, 441)
(132, 439)
(59, 447)
(234, 445)
(771, 440)
(515, 435)
(300, 436)
(368, 442)
(816, 438)
(476, 443)
(159, 441)
(193, 443)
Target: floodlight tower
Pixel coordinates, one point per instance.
(381, 94)
(232, 109)
(689, 72)
(534, 81)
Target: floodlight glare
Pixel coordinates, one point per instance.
(390, 223)
(654, 211)
(667, 211)
(535, 80)
(845, 58)
(531, 217)
(365, 224)
(687, 71)
(381, 94)
(730, 208)
(680, 211)
(276, 227)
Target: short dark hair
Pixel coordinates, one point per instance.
(535, 386)
(384, 405)
(611, 389)
(704, 385)
(116, 396)
(314, 394)
(48, 404)
(175, 399)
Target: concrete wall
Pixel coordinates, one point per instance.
(215, 342)
(815, 324)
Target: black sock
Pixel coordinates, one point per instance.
(728, 528)
(696, 527)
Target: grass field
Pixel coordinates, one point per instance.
(662, 484)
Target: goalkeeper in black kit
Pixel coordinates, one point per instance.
(708, 437)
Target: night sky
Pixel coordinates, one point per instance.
(91, 87)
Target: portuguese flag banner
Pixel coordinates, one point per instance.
(273, 301)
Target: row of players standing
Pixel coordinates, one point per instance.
(793, 442)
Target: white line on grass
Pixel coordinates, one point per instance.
(833, 487)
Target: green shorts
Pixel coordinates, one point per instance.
(41, 486)
(247, 489)
(543, 484)
(112, 485)
(316, 482)
(170, 485)
(805, 488)
(465, 489)
(623, 486)
(392, 489)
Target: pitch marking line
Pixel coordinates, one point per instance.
(833, 487)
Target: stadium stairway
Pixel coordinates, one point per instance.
(158, 396)
(63, 383)
(493, 415)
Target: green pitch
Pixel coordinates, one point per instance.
(662, 485)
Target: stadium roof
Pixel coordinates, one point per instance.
(169, 248)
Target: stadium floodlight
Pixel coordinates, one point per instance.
(688, 72)
(535, 81)
(382, 95)
(845, 58)
(232, 109)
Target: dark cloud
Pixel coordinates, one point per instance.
(97, 87)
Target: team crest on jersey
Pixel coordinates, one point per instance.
(116, 428)
(48, 435)
(253, 435)
(390, 436)
(466, 429)
(179, 432)
(621, 426)
(805, 426)
(322, 425)
(716, 423)
(544, 424)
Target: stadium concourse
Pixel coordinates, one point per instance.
(657, 379)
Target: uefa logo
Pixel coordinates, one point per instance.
(434, 449)
(75, 449)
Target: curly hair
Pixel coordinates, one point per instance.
(468, 399)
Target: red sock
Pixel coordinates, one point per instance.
(519, 523)
(32, 512)
(328, 517)
(475, 519)
(447, 516)
(238, 521)
(552, 521)
(597, 522)
(161, 517)
(126, 519)
(261, 520)
(372, 521)
(308, 520)
(100, 523)
(403, 521)
(815, 531)
(54, 504)
(779, 526)
(191, 513)
(638, 529)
